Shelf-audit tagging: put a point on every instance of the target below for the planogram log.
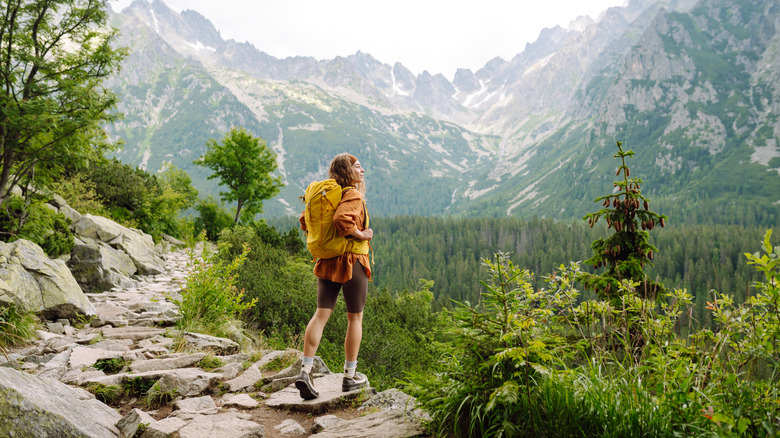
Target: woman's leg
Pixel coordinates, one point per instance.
(355, 291)
(327, 294)
(354, 335)
(313, 336)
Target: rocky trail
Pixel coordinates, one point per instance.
(180, 389)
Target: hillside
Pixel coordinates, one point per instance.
(690, 87)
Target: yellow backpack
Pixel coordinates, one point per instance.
(322, 238)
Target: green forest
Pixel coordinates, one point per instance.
(451, 252)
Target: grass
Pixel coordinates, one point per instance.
(281, 362)
(210, 362)
(156, 397)
(108, 394)
(17, 326)
(112, 365)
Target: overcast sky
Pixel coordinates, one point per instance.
(434, 35)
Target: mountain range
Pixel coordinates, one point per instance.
(692, 87)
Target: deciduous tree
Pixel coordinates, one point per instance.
(244, 164)
(54, 55)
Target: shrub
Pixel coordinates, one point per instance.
(212, 219)
(34, 221)
(81, 195)
(210, 302)
(281, 286)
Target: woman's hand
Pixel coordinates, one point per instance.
(366, 234)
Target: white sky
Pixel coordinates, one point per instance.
(434, 35)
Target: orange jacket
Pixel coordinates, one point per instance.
(349, 216)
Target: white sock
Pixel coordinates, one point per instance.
(308, 364)
(349, 368)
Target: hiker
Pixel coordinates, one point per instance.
(349, 272)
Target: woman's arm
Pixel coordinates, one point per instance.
(349, 217)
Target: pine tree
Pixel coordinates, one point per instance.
(626, 252)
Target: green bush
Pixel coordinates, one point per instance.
(138, 199)
(81, 194)
(283, 287)
(36, 222)
(210, 302)
(212, 219)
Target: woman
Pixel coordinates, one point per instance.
(349, 272)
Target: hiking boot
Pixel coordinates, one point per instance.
(306, 386)
(351, 383)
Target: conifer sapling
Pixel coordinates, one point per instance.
(626, 252)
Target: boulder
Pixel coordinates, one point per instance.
(33, 281)
(290, 427)
(243, 401)
(70, 213)
(40, 407)
(164, 428)
(98, 267)
(136, 244)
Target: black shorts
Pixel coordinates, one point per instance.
(355, 291)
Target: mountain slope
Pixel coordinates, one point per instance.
(691, 87)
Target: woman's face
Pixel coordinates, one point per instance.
(357, 173)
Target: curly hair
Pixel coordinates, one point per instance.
(341, 170)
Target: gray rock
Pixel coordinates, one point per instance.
(87, 356)
(390, 400)
(56, 345)
(320, 423)
(164, 428)
(36, 283)
(135, 334)
(218, 346)
(329, 387)
(39, 407)
(138, 245)
(166, 364)
(244, 401)
(98, 267)
(227, 425)
(173, 240)
(97, 228)
(187, 382)
(58, 201)
(199, 405)
(246, 381)
(129, 424)
(384, 424)
(230, 371)
(290, 427)
(70, 213)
